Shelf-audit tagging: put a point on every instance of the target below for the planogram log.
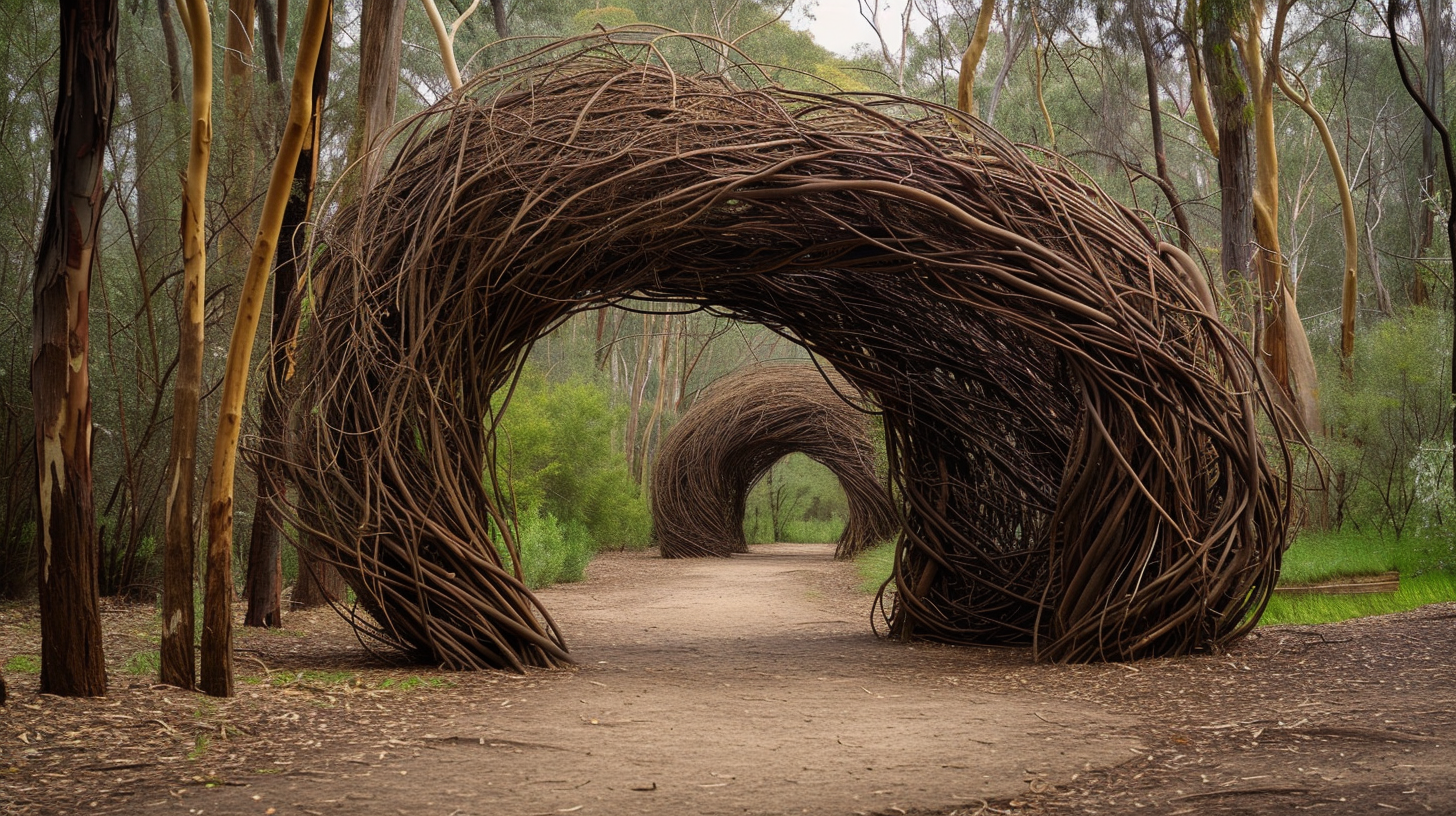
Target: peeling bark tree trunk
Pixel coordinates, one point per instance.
(72, 663)
(264, 588)
(217, 629)
(1285, 345)
(179, 621)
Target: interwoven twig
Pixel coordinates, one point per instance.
(735, 431)
(1075, 440)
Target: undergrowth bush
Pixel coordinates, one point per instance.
(1388, 432)
(565, 479)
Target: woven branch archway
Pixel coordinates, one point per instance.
(735, 431)
(1074, 438)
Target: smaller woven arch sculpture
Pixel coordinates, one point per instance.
(735, 431)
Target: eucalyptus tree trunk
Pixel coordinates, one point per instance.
(1285, 345)
(1347, 218)
(381, 33)
(264, 588)
(971, 59)
(179, 621)
(1228, 101)
(217, 673)
(1155, 114)
(72, 662)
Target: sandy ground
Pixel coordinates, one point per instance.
(748, 685)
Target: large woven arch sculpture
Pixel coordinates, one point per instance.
(1073, 436)
(735, 431)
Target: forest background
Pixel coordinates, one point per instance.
(1117, 87)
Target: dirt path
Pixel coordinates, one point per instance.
(751, 685)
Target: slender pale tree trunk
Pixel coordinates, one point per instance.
(217, 674)
(1197, 90)
(1155, 115)
(178, 660)
(264, 588)
(72, 663)
(1347, 219)
(971, 59)
(446, 38)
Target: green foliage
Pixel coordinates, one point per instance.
(557, 463)
(798, 500)
(551, 553)
(1389, 430)
(23, 664)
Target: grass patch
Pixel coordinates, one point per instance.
(1417, 591)
(199, 747)
(149, 662)
(23, 664)
(1427, 575)
(1425, 565)
(875, 566)
(314, 677)
(1315, 557)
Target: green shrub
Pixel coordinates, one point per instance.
(551, 552)
(141, 663)
(1388, 444)
(797, 500)
(555, 458)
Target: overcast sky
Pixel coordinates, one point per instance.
(838, 25)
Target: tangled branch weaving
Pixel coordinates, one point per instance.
(736, 431)
(1074, 438)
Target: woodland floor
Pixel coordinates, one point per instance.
(750, 685)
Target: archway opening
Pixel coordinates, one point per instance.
(731, 440)
(796, 501)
